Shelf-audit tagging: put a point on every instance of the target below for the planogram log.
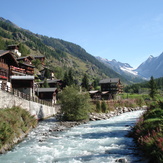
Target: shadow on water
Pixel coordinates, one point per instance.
(100, 135)
(117, 124)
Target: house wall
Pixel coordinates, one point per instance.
(40, 111)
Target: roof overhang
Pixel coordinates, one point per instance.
(22, 77)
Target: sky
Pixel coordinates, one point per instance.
(128, 31)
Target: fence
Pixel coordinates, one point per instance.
(17, 93)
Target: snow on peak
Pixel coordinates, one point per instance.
(129, 70)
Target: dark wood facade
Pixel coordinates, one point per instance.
(29, 69)
(48, 94)
(110, 87)
(56, 83)
(6, 60)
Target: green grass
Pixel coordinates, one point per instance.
(14, 121)
(148, 132)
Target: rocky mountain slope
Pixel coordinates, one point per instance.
(153, 66)
(61, 55)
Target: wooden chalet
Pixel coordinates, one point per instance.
(15, 50)
(56, 83)
(110, 87)
(29, 69)
(48, 94)
(26, 59)
(43, 71)
(95, 94)
(6, 61)
(41, 58)
(24, 84)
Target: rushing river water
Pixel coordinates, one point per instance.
(95, 142)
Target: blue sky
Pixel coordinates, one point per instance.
(126, 30)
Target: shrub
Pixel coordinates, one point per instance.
(12, 121)
(98, 106)
(103, 106)
(74, 105)
(148, 133)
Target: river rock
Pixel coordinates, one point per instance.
(122, 160)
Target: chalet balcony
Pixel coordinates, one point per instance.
(4, 66)
(3, 77)
(17, 70)
(29, 72)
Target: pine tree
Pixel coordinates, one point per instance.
(70, 78)
(65, 80)
(98, 106)
(153, 88)
(103, 106)
(85, 82)
(47, 74)
(45, 84)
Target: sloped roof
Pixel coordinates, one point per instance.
(109, 80)
(7, 55)
(51, 81)
(20, 58)
(45, 90)
(27, 65)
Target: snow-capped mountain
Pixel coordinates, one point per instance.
(123, 69)
(153, 66)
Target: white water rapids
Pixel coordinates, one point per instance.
(95, 142)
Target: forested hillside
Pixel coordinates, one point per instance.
(60, 55)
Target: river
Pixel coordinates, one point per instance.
(94, 142)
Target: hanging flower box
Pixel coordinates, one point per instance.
(3, 77)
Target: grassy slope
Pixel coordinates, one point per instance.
(61, 53)
(14, 122)
(148, 133)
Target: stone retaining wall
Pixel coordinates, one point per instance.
(40, 111)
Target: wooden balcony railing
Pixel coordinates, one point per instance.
(17, 69)
(4, 65)
(3, 77)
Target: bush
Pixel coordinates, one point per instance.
(148, 133)
(12, 121)
(98, 106)
(74, 105)
(103, 106)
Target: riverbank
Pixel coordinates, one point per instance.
(15, 124)
(22, 131)
(60, 126)
(96, 141)
(116, 112)
(148, 133)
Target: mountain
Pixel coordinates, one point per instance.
(153, 66)
(60, 55)
(123, 69)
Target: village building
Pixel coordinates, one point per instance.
(46, 72)
(14, 49)
(41, 59)
(48, 94)
(110, 88)
(29, 69)
(13, 74)
(55, 83)
(24, 84)
(95, 94)
(26, 59)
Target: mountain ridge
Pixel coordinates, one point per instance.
(61, 55)
(123, 69)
